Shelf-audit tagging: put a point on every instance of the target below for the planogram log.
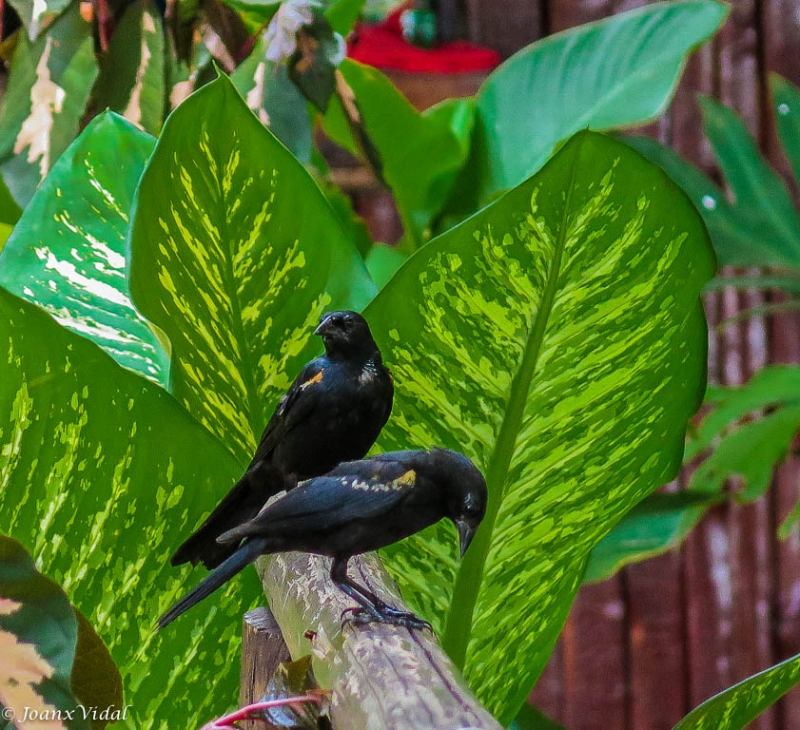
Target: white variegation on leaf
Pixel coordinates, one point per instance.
(67, 252)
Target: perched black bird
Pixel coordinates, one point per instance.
(333, 412)
(358, 506)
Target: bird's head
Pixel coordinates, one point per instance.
(345, 332)
(466, 493)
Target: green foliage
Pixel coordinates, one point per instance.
(418, 154)
(502, 342)
(555, 337)
(53, 661)
(132, 74)
(530, 718)
(343, 14)
(654, 526)
(759, 226)
(101, 470)
(276, 101)
(222, 262)
(48, 88)
(382, 261)
(746, 434)
(480, 328)
(737, 707)
(750, 428)
(67, 252)
(150, 67)
(37, 15)
(558, 86)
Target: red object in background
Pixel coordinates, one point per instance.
(383, 46)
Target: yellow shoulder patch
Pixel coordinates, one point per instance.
(316, 379)
(406, 480)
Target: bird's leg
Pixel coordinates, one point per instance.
(371, 608)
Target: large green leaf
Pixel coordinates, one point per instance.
(738, 706)
(132, 73)
(67, 252)
(557, 339)
(103, 474)
(419, 154)
(48, 88)
(235, 254)
(616, 72)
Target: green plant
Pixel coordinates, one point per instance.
(185, 281)
(749, 429)
(512, 301)
(440, 165)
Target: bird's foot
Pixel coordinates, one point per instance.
(384, 614)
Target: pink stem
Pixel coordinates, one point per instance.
(244, 712)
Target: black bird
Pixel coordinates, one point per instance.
(333, 412)
(359, 506)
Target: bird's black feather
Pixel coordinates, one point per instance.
(360, 506)
(333, 412)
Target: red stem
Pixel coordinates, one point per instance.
(243, 713)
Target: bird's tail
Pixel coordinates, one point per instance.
(224, 572)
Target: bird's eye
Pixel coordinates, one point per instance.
(471, 506)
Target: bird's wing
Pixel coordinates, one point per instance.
(333, 500)
(295, 407)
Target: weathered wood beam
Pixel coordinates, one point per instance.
(263, 649)
(381, 677)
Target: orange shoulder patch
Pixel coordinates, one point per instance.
(316, 379)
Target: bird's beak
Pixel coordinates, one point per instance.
(465, 534)
(323, 326)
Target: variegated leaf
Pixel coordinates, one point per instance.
(48, 88)
(38, 638)
(235, 255)
(737, 707)
(54, 665)
(557, 339)
(132, 76)
(102, 474)
(67, 252)
(36, 14)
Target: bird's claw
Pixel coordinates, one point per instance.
(386, 615)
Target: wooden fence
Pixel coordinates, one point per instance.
(642, 649)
